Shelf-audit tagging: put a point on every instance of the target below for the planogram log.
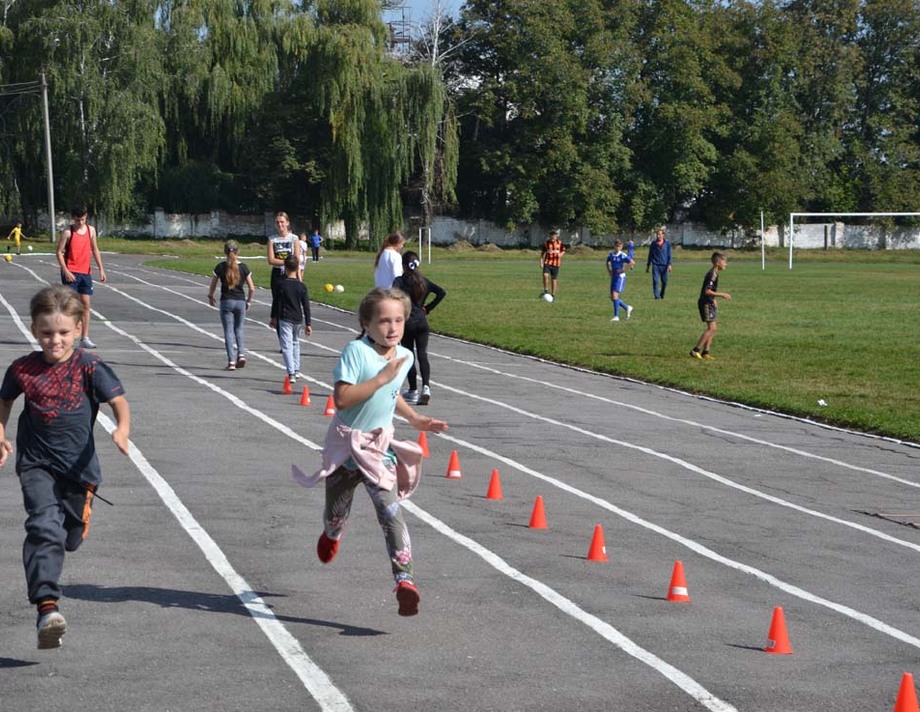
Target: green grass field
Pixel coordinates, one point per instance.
(840, 327)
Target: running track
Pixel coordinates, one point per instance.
(200, 589)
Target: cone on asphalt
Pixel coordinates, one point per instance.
(495, 487)
(286, 388)
(423, 443)
(453, 467)
(305, 396)
(778, 638)
(677, 590)
(907, 695)
(330, 407)
(598, 549)
(538, 516)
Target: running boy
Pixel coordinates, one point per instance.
(617, 262)
(76, 246)
(359, 447)
(707, 306)
(292, 316)
(55, 451)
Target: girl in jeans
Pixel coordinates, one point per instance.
(232, 275)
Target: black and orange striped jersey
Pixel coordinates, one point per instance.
(552, 252)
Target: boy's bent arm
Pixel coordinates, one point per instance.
(6, 447)
(123, 423)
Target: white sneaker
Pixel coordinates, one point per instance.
(628, 312)
(411, 397)
(87, 344)
(292, 377)
(425, 397)
(616, 318)
(51, 627)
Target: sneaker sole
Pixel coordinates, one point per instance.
(423, 400)
(408, 599)
(49, 637)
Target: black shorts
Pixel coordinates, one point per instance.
(707, 310)
(551, 271)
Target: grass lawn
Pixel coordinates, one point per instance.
(841, 327)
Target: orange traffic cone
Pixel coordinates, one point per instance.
(598, 550)
(423, 443)
(677, 591)
(538, 516)
(330, 406)
(453, 467)
(907, 695)
(778, 639)
(495, 487)
(286, 388)
(305, 396)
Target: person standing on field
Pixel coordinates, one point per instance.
(315, 241)
(550, 261)
(77, 244)
(707, 306)
(16, 236)
(659, 262)
(617, 262)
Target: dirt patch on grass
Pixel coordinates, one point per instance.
(582, 250)
(461, 246)
(489, 247)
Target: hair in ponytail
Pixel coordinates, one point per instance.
(231, 250)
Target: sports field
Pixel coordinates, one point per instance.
(200, 589)
(840, 327)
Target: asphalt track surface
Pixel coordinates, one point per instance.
(200, 589)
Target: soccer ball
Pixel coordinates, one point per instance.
(547, 297)
(328, 287)
(8, 258)
(29, 248)
(339, 288)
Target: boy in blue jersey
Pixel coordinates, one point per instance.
(707, 306)
(617, 262)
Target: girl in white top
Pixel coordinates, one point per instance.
(388, 265)
(277, 248)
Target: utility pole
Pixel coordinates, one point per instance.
(44, 84)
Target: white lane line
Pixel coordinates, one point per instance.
(694, 546)
(692, 423)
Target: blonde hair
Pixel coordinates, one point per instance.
(231, 249)
(52, 300)
(368, 307)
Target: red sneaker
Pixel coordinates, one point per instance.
(326, 548)
(408, 598)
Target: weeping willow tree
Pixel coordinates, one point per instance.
(383, 117)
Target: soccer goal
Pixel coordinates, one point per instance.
(794, 216)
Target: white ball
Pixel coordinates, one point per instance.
(339, 288)
(29, 248)
(547, 297)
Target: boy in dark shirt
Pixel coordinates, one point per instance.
(292, 316)
(55, 451)
(707, 306)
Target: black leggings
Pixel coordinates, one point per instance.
(415, 338)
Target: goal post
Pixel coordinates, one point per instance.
(424, 234)
(793, 216)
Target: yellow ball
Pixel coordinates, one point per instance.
(8, 258)
(328, 287)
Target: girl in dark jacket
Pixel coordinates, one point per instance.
(416, 334)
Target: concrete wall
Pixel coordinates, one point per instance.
(446, 231)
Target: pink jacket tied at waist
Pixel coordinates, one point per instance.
(368, 450)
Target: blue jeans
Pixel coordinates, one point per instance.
(233, 316)
(289, 337)
(659, 274)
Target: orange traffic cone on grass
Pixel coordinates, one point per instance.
(423, 443)
(907, 695)
(330, 407)
(677, 591)
(598, 548)
(453, 467)
(778, 638)
(538, 516)
(305, 396)
(286, 388)
(495, 487)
